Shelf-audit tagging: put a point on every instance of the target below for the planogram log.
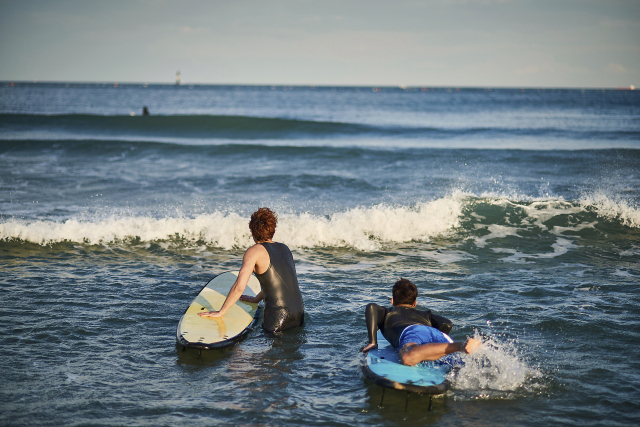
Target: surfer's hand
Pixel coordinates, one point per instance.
(471, 345)
(247, 298)
(369, 347)
(209, 314)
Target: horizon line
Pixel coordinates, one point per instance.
(310, 86)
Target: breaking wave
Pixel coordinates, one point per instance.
(361, 228)
(481, 219)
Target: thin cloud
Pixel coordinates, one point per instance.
(617, 68)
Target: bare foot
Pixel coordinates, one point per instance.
(369, 347)
(472, 345)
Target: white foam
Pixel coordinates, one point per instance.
(540, 210)
(494, 367)
(543, 210)
(495, 232)
(362, 228)
(227, 231)
(557, 230)
(560, 247)
(447, 256)
(612, 208)
(516, 256)
(633, 251)
(365, 229)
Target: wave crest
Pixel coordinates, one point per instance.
(487, 221)
(364, 229)
(612, 209)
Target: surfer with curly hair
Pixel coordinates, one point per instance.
(420, 335)
(273, 265)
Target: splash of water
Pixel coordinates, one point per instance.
(610, 208)
(495, 370)
(363, 228)
(359, 228)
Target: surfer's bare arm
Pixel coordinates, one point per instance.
(248, 263)
(412, 353)
(256, 299)
(374, 316)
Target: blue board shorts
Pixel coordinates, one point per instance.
(422, 334)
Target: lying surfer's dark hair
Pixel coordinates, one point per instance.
(263, 224)
(404, 292)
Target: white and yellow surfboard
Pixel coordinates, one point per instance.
(207, 333)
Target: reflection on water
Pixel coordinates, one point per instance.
(261, 364)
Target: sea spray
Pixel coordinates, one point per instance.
(495, 370)
(360, 228)
(612, 208)
(367, 228)
(486, 221)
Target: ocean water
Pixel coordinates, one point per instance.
(515, 211)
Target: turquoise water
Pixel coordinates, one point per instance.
(516, 213)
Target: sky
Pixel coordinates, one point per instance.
(460, 43)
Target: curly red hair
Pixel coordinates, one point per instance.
(263, 224)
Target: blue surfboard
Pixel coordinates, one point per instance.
(383, 367)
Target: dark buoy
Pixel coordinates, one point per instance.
(145, 111)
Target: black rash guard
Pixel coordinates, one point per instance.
(283, 302)
(392, 321)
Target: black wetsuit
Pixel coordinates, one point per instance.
(392, 321)
(283, 302)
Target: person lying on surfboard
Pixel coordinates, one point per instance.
(420, 335)
(273, 265)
